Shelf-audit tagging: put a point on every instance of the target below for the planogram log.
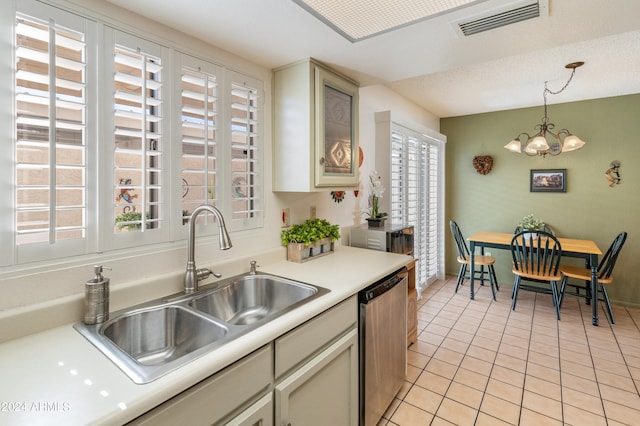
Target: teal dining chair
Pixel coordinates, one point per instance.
(605, 271)
(536, 257)
(464, 259)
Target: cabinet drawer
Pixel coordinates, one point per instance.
(218, 396)
(297, 345)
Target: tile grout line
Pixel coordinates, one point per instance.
(476, 318)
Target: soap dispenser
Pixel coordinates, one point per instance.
(96, 297)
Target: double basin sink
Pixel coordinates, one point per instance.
(151, 339)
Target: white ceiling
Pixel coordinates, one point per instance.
(428, 62)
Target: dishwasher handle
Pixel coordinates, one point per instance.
(382, 287)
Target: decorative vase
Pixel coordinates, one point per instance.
(376, 222)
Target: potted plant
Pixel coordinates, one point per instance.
(376, 218)
(130, 220)
(309, 239)
(530, 223)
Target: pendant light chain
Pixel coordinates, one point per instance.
(546, 90)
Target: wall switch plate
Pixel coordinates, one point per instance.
(285, 218)
(312, 212)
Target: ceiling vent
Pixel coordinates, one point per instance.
(509, 14)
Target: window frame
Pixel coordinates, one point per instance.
(102, 33)
(12, 253)
(109, 239)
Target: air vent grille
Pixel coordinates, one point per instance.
(500, 19)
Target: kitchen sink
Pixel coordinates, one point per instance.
(253, 298)
(154, 338)
(159, 335)
(150, 340)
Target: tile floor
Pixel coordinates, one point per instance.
(480, 363)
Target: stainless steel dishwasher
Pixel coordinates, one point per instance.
(383, 344)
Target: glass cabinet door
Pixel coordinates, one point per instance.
(336, 110)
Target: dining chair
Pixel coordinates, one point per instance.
(536, 257)
(464, 260)
(605, 271)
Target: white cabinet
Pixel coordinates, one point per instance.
(315, 129)
(318, 366)
(324, 391)
(219, 396)
(259, 414)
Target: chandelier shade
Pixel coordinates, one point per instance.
(572, 143)
(546, 141)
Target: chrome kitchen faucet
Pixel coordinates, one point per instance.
(192, 275)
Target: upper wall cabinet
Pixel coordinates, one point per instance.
(315, 129)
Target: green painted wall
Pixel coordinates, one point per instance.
(590, 209)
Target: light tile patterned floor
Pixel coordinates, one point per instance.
(480, 363)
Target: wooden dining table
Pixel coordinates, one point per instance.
(585, 249)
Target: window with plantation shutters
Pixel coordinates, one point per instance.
(50, 154)
(199, 136)
(116, 138)
(138, 140)
(417, 197)
(246, 188)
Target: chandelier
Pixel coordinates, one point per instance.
(546, 141)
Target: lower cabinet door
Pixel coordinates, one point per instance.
(259, 414)
(324, 391)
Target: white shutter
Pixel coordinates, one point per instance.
(246, 178)
(397, 178)
(433, 206)
(416, 197)
(50, 146)
(199, 135)
(138, 140)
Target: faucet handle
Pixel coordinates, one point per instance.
(253, 265)
(203, 273)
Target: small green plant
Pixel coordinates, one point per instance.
(131, 216)
(529, 222)
(309, 232)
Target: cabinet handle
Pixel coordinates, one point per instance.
(322, 164)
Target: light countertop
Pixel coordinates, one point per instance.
(58, 377)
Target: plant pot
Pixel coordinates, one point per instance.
(377, 222)
(316, 249)
(297, 252)
(300, 252)
(531, 235)
(325, 245)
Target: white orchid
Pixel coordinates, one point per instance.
(377, 189)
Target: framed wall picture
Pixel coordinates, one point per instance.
(548, 180)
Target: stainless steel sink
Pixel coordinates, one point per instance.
(160, 335)
(151, 339)
(253, 298)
